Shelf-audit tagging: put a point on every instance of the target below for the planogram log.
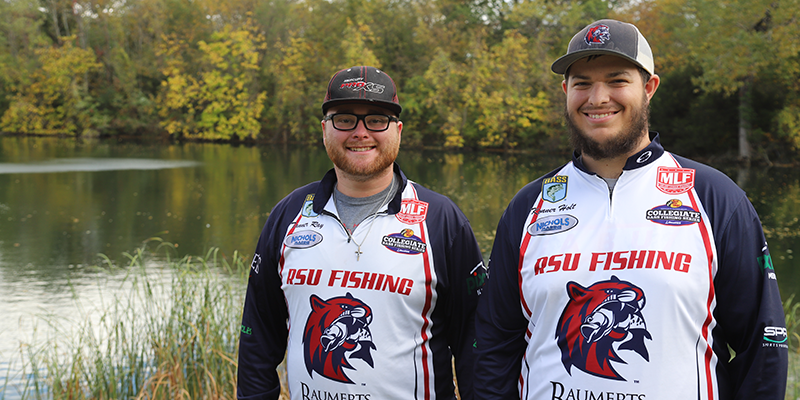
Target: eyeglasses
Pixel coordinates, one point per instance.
(373, 122)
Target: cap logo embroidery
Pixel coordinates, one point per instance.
(365, 86)
(597, 35)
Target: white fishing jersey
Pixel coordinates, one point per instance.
(374, 316)
(632, 295)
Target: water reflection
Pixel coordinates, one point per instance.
(92, 164)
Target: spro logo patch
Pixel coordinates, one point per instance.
(775, 336)
(674, 180)
(303, 239)
(552, 224)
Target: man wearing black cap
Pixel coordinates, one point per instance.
(365, 280)
(629, 272)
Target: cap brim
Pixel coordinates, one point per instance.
(561, 65)
(379, 103)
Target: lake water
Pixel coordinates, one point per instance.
(63, 202)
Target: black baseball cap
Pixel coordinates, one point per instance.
(607, 36)
(362, 84)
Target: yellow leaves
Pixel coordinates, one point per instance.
(219, 101)
(55, 101)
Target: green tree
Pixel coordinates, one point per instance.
(224, 100)
(54, 99)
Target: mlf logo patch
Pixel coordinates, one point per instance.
(412, 211)
(597, 35)
(596, 318)
(672, 180)
(337, 330)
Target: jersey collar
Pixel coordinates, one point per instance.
(649, 154)
(328, 182)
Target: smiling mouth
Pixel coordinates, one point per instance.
(599, 116)
(360, 149)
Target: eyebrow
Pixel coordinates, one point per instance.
(608, 75)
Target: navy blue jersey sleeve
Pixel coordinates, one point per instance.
(264, 331)
(500, 322)
(749, 308)
(463, 274)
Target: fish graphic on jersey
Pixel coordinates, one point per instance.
(597, 318)
(337, 331)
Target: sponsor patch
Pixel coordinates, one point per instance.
(552, 224)
(775, 336)
(673, 213)
(597, 35)
(256, 264)
(674, 180)
(404, 242)
(644, 157)
(412, 211)
(303, 239)
(308, 207)
(554, 189)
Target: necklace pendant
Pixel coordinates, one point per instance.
(358, 254)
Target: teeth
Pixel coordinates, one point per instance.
(360, 148)
(598, 116)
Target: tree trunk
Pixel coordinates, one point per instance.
(745, 117)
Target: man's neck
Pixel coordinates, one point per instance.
(350, 186)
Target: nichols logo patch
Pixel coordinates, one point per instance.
(404, 242)
(552, 224)
(303, 239)
(674, 180)
(673, 213)
(412, 211)
(554, 189)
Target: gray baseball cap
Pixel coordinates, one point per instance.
(607, 36)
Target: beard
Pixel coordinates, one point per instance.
(623, 143)
(387, 149)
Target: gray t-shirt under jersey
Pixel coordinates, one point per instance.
(354, 210)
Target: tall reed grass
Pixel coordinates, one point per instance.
(173, 335)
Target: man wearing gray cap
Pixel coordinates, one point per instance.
(366, 281)
(629, 272)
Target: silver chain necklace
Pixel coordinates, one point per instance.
(374, 214)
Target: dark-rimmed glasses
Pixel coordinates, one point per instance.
(373, 122)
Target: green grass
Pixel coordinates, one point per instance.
(175, 335)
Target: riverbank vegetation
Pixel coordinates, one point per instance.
(471, 74)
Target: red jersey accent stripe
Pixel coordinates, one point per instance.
(522, 250)
(711, 294)
(428, 301)
(283, 246)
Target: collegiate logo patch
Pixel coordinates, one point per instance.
(337, 330)
(412, 211)
(554, 189)
(404, 242)
(303, 239)
(552, 224)
(597, 35)
(672, 180)
(598, 318)
(673, 213)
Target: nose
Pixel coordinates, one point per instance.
(360, 130)
(598, 95)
